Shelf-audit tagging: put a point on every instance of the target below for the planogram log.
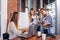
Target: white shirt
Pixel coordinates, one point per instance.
(13, 32)
(34, 19)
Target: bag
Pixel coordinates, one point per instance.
(5, 36)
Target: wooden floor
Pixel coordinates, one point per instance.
(36, 38)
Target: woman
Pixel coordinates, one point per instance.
(33, 21)
(33, 16)
(13, 27)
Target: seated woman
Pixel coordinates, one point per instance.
(13, 27)
(33, 20)
(33, 16)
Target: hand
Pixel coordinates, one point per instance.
(43, 22)
(47, 25)
(43, 25)
(38, 22)
(24, 30)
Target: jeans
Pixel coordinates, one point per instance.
(38, 28)
(46, 31)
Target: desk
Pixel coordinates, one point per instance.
(34, 37)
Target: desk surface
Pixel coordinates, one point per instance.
(37, 38)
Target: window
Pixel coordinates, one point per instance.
(37, 4)
(22, 5)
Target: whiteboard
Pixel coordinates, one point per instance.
(23, 20)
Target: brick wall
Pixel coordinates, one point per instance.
(12, 6)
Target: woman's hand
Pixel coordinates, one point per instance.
(24, 30)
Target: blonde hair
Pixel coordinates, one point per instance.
(31, 14)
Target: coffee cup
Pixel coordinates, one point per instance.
(39, 33)
(43, 36)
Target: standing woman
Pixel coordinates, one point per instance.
(13, 27)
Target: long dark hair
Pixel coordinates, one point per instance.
(14, 19)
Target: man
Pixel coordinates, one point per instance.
(46, 21)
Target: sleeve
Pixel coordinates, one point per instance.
(14, 30)
(49, 20)
(52, 22)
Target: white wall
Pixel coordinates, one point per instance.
(0, 18)
(3, 16)
(41, 3)
(34, 4)
(0, 5)
(58, 16)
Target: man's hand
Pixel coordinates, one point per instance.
(47, 25)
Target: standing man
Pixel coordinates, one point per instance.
(46, 22)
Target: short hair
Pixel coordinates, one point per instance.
(43, 9)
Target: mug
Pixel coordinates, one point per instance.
(39, 33)
(43, 36)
